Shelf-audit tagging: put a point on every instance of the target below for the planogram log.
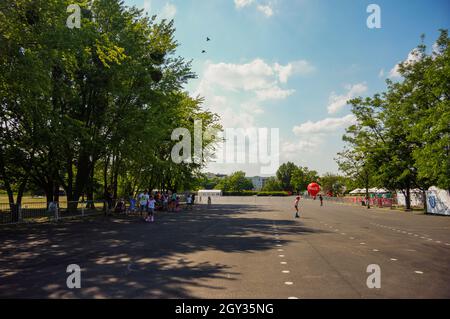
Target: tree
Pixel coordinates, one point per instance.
(302, 177)
(94, 107)
(272, 184)
(403, 134)
(284, 175)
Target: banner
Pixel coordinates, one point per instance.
(438, 201)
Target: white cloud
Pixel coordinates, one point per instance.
(168, 11)
(381, 73)
(250, 76)
(301, 67)
(325, 126)
(242, 3)
(147, 6)
(255, 75)
(274, 93)
(266, 10)
(414, 56)
(337, 102)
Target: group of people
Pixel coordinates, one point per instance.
(297, 204)
(149, 202)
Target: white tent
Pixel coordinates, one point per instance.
(207, 193)
(357, 191)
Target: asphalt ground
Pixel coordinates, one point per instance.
(237, 248)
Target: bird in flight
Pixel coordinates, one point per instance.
(203, 51)
(208, 39)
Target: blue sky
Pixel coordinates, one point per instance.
(291, 64)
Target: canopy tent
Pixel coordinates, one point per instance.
(357, 191)
(212, 192)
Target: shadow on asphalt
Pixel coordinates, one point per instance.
(123, 257)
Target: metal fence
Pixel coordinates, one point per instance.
(362, 201)
(35, 212)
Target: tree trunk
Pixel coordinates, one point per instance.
(408, 199)
(424, 199)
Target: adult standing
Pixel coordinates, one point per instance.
(143, 201)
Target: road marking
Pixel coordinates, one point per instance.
(375, 250)
(279, 245)
(280, 250)
(362, 243)
(393, 259)
(343, 234)
(419, 272)
(438, 242)
(292, 298)
(415, 235)
(283, 263)
(447, 244)
(281, 256)
(286, 272)
(289, 283)
(352, 238)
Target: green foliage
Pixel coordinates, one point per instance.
(402, 137)
(284, 175)
(236, 182)
(272, 185)
(92, 108)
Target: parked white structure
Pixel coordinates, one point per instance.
(438, 201)
(208, 193)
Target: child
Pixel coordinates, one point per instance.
(151, 210)
(189, 202)
(132, 207)
(297, 200)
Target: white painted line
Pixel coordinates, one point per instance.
(393, 259)
(280, 250)
(362, 243)
(375, 250)
(283, 263)
(289, 283)
(343, 234)
(419, 272)
(286, 272)
(292, 298)
(415, 235)
(281, 256)
(438, 242)
(352, 238)
(447, 244)
(279, 245)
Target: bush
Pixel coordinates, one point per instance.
(275, 194)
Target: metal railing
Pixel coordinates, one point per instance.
(361, 201)
(35, 212)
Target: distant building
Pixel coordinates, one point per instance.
(258, 182)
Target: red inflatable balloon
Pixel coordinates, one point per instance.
(313, 189)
